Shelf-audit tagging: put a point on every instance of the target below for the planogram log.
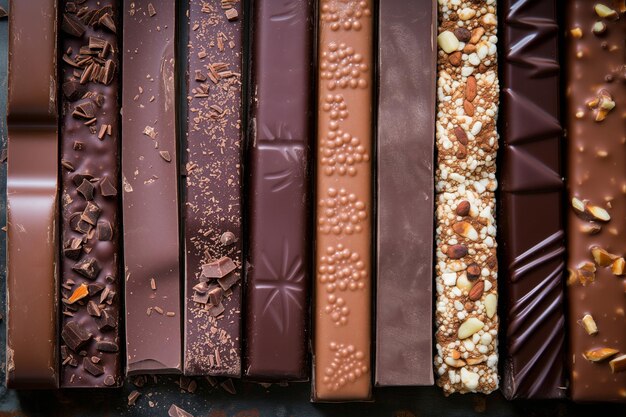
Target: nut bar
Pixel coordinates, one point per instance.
(466, 269)
(90, 229)
(279, 241)
(213, 169)
(150, 189)
(595, 61)
(344, 202)
(32, 197)
(406, 125)
(531, 224)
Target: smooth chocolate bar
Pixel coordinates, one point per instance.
(343, 224)
(279, 247)
(150, 189)
(532, 194)
(405, 191)
(213, 193)
(466, 271)
(4, 58)
(32, 198)
(90, 299)
(595, 65)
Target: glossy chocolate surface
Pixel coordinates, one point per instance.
(280, 240)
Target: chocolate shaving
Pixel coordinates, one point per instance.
(84, 110)
(107, 21)
(93, 368)
(93, 310)
(176, 411)
(132, 397)
(74, 335)
(72, 26)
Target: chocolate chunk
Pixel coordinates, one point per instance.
(216, 310)
(74, 335)
(93, 368)
(73, 90)
(88, 268)
(93, 309)
(95, 287)
(110, 381)
(107, 346)
(77, 179)
(106, 321)
(85, 110)
(73, 248)
(215, 295)
(104, 231)
(72, 25)
(229, 280)
(201, 298)
(86, 189)
(106, 188)
(219, 268)
(107, 21)
(176, 411)
(91, 213)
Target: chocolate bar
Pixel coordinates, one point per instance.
(596, 96)
(4, 55)
(532, 194)
(405, 192)
(279, 240)
(466, 271)
(150, 191)
(213, 169)
(344, 202)
(32, 198)
(90, 298)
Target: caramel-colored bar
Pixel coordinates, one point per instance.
(32, 196)
(344, 202)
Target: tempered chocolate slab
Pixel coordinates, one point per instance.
(596, 98)
(405, 192)
(90, 198)
(279, 241)
(4, 55)
(344, 202)
(532, 194)
(149, 184)
(32, 197)
(212, 216)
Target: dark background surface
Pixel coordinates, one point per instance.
(250, 400)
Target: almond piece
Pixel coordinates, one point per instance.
(457, 251)
(618, 364)
(572, 277)
(455, 363)
(602, 257)
(477, 291)
(599, 354)
(466, 230)
(598, 213)
(463, 283)
(463, 208)
(477, 33)
(455, 58)
(461, 136)
(618, 267)
(578, 205)
(447, 41)
(473, 271)
(591, 228)
(605, 11)
(491, 305)
(589, 324)
(471, 89)
(476, 361)
(469, 108)
(577, 33)
(469, 327)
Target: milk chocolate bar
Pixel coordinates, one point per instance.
(32, 198)
(466, 270)
(406, 126)
(4, 57)
(596, 97)
(342, 334)
(150, 189)
(213, 193)
(90, 299)
(532, 194)
(279, 242)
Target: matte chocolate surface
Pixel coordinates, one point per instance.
(595, 61)
(32, 287)
(344, 202)
(533, 244)
(90, 198)
(405, 184)
(149, 184)
(279, 251)
(213, 168)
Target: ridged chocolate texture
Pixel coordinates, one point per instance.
(279, 242)
(32, 286)
(150, 189)
(405, 183)
(531, 202)
(90, 176)
(213, 194)
(344, 202)
(595, 66)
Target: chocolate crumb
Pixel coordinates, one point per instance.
(166, 156)
(151, 9)
(132, 397)
(176, 411)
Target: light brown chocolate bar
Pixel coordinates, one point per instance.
(467, 141)
(344, 202)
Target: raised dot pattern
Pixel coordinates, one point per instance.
(348, 365)
(341, 212)
(344, 14)
(342, 66)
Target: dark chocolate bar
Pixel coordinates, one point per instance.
(533, 247)
(32, 285)
(213, 169)
(150, 189)
(405, 192)
(595, 66)
(279, 242)
(342, 338)
(90, 301)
